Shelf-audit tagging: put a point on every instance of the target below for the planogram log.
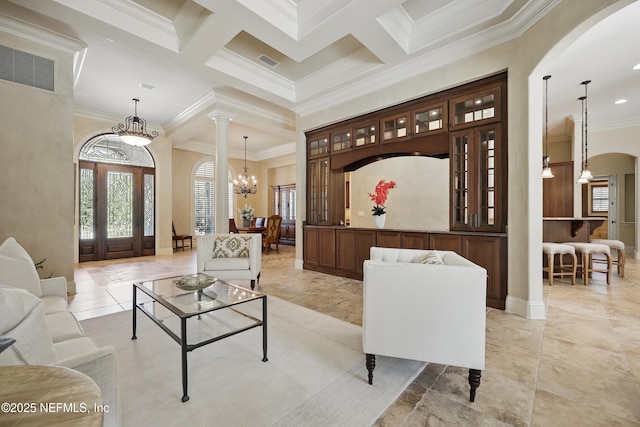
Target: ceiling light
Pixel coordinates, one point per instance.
(620, 101)
(585, 175)
(134, 129)
(146, 86)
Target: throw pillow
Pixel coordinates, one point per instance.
(17, 268)
(431, 257)
(231, 247)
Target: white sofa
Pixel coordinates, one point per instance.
(35, 313)
(433, 311)
(230, 256)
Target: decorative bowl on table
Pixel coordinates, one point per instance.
(195, 282)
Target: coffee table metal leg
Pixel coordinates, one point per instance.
(133, 337)
(183, 327)
(264, 329)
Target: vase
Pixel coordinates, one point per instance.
(246, 222)
(379, 219)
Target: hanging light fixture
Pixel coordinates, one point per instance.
(585, 175)
(134, 129)
(546, 170)
(242, 185)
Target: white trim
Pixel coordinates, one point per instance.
(527, 309)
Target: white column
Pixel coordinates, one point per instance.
(221, 195)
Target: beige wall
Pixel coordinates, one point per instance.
(420, 201)
(36, 163)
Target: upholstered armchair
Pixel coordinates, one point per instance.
(230, 256)
(427, 306)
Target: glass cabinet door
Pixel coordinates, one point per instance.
(365, 135)
(395, 128)
(341, 141)
(475, 109)
(475, 180)
(460, 156)
(487, 176)
(431, 119)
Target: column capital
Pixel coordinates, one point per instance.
(218, 115)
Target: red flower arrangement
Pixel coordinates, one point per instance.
(379, 197)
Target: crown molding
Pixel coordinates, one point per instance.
(131, 17)
(228, 62)
(23, 29)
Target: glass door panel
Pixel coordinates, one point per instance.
(119, 204)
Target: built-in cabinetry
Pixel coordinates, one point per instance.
(342, 250)
(466, 124)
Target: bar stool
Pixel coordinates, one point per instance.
(586, 266)
(621, 254)
(553, 249)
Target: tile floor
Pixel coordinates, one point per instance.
(579, 367)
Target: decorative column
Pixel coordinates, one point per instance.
(221, 195)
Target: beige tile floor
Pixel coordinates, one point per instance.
(579, 367)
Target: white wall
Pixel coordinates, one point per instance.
(420, 201)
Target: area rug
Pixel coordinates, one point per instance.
(315, 375)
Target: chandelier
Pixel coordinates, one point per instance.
(585, 175)
(134, 129)
(242, 185)
(546, 170)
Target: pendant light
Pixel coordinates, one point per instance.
(245, 185)
(585, 175)
(546, 170)
(134, 129)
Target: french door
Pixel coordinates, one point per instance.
(117, 215)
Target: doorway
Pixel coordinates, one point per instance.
(116, 199)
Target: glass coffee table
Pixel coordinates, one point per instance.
(208, 315)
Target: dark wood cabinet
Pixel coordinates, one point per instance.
(342, 251)
(490, 253)
(557, 192)
(446, 242)
(477, 202)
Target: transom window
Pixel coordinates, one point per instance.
(109, 148)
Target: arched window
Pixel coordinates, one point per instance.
(204, 192)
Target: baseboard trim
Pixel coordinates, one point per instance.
(299, 264)
(527, 309)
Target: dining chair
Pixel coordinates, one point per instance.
(272, 233)
(180, 238)
(232, 226)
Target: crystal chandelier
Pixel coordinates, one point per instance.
(242, 185)
(585, 175)
(134, 129)
(546, 170)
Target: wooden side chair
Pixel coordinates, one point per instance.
(180, 238)
(232, 226)
(272, 233)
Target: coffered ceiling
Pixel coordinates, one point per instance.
(266, 60)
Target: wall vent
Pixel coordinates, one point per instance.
(269, 61)
(24, 68)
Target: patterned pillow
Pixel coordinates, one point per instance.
(231, 247)
(431, 257)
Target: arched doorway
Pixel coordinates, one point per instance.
(116, 200)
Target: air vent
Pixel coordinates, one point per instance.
(24, 68)
(269, 61)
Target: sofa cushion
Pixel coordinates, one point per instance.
(431, 257)
(63, 326)
(17, 268)
(74, 347)
(33, 344)
(15, 304)
(227, 264)
(54, 304)
(231, 247)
